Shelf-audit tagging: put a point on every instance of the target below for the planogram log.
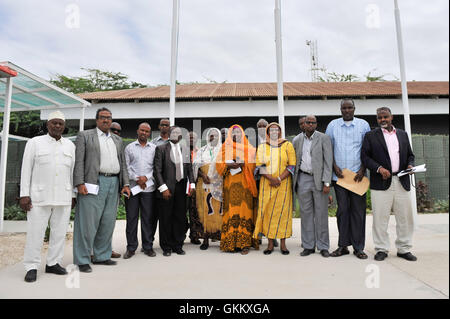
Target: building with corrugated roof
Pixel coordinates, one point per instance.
(223, 104)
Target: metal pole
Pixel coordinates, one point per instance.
(279, 65)
(4, 153)
(82, 118)
(174, 60)
(401, 57)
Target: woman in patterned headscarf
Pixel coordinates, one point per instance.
(209, 187)
(276, 162)
(236, 163)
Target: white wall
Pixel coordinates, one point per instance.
(213, 109)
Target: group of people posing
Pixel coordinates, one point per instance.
(232, 191)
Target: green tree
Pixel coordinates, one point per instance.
(27, 124)
(341, 77)
(95, 80)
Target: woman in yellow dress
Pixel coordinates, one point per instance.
(236, 163)
(209, 188)
(275, 161)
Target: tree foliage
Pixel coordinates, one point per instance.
(95, 80)
(341, 77)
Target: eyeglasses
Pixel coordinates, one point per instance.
(101, 117)
(115, 130)
(164, 125)
(310, 123)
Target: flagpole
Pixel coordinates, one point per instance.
(279, 65)
(174, 60)
(401, 57)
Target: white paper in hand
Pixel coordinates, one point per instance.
(415, 169)
(91, 188)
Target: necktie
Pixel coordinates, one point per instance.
(177, 164)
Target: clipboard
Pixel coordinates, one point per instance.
(348, 182)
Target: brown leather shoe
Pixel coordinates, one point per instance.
(115, 255)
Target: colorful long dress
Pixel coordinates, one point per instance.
(275, 203)
(239, 190)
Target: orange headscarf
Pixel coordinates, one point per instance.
(243, 150)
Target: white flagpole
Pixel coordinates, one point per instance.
(279, 65)
(4, 151)
(401, 57)
(174, 60)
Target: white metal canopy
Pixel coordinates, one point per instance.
(21, 90)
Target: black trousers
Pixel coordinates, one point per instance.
(173, 219)
(142, 203)
(351, 218)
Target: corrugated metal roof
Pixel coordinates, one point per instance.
(269, 90)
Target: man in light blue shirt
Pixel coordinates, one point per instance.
(347, 134)
(139, 156)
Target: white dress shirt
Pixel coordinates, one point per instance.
(176, 148)
(109, 163)
(47, 171)
(306, 165)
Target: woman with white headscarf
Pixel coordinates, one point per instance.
(209, 187)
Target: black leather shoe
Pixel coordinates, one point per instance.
(204, 246)
(268, 251)
(341, 251)
(150, 252)
(167, 253)
(195, 241)
(84, 268)
(31, 275)
(381, 255)
(108, 262)
(307, 252)
(128, 254)
(55, 269)
(180, 252)
(284, 252)
(407, 256)
(325, 253)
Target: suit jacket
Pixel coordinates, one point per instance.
(164, 170)
(374, 153)
(87, 159)
(321, 159)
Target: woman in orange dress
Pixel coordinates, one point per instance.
(236, 163)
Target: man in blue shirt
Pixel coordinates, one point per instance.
(347, 134)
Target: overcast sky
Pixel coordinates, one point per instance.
(224, 40)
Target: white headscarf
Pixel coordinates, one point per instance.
(207, 155)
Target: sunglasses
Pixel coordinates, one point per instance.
(310, 123)
(115, 130)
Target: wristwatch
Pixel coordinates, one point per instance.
(327, 184)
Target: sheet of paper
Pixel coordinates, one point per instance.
(91, 188)
(415, 169)
(137, 189)
(235, 171)
(349, 183)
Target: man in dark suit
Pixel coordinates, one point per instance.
(172, 172)
(99, 162)
(385, 152)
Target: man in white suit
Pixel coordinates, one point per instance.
(46, 193)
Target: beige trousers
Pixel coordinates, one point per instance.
(395, 199)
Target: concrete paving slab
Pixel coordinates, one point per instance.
(213, 274)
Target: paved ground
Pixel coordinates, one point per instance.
(213, 274)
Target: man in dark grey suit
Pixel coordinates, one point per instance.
(312, 181)
(172, 171)
(99, 162)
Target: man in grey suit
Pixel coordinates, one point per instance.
(312, 181)
(99, 162)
